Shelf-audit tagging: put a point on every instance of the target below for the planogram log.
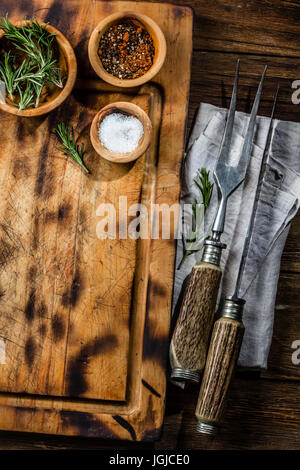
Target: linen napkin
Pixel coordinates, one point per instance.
(277, 205)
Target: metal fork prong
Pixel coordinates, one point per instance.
(245, 154)
(226, 140)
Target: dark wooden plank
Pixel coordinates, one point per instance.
(286, 335)
(264, 27)
(213, 74)
(288, 292)
(260, 414)
(286, 329)
(29, 441)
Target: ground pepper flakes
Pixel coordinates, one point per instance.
(126, 50)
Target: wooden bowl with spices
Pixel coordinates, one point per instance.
(45, 90)
(127, 49)
(121, 132)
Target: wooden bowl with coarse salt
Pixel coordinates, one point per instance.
(159, 43)
(141, 123)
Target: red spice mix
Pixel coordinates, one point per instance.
(126, 50)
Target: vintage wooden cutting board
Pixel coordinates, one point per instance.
(85, 321)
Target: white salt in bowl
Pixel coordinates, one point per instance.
(126, 109)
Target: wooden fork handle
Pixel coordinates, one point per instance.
(191, 334)
(222, 357)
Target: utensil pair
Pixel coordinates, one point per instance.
(190, 338)
(189, 344)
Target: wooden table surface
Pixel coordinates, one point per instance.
(264, 409)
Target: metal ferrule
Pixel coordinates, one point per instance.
(212, 252)
(206, 428)
(185, 375)
(233, 308)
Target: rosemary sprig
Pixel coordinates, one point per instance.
(38, 68)
(26, 96)
(205, 187)
(70, 148)
(8, 73)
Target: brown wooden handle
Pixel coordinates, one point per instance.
(190, 338)
(222, 356)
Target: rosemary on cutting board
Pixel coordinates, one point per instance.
(205, 188)
(29, 64)
(69, 146)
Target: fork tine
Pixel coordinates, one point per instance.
(245, 154)
(225, 145)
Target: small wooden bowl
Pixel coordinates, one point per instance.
(154, 31)
(126, 108)
(67, 62)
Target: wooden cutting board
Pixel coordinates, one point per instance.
(85, 321)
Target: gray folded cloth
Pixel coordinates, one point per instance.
(278, 204)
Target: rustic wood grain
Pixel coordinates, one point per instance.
(252, 27)
(86, 345)
(76, 299)
(220, 365)
(260, 414)
(190, 338)
(286, 329)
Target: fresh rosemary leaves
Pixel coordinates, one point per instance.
(205, 187)
(70, 148)
(30, 64)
